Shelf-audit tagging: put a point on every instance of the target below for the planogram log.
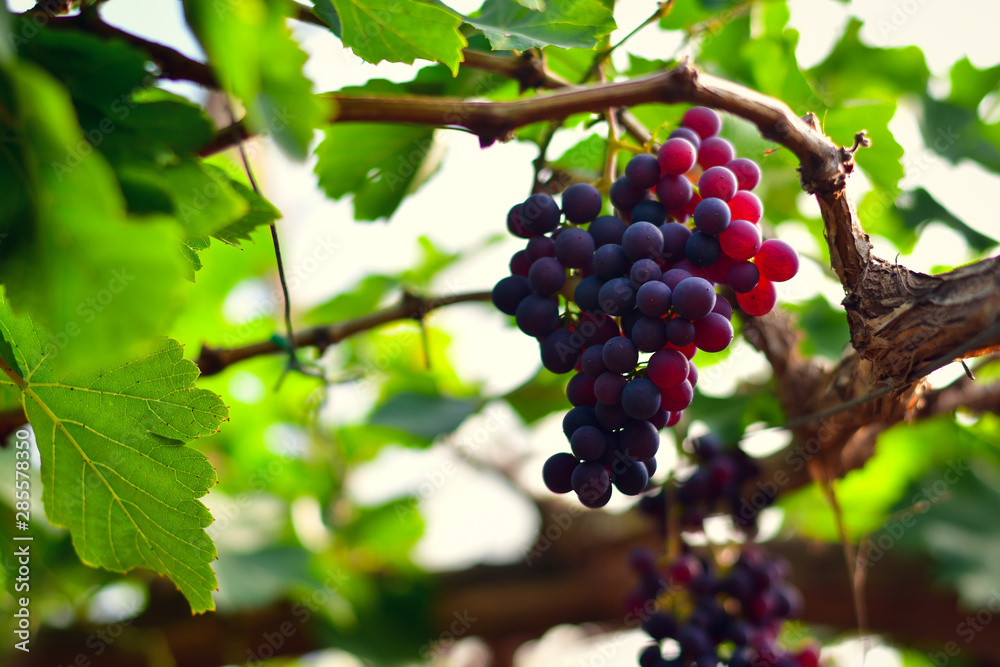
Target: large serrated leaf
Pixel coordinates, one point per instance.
(401, 31)
(252, 51)
(564, 23)
(115, 470)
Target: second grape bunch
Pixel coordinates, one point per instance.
(627, 300)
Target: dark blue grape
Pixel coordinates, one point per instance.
(610, 417)
(702, 249)
(586, 293)
(547, 276)
(581, 203)
(514, 224)
(557, 472)
(607, 229)
(643, 171)
(680, 332)
(610, 261)
(588, 498)
(590, 480)
(660, 625)
(674, 192)
(575, 248)
(597, 329)
(617, 296)
(560, 351)
(588, 443)
(693, 298)
(628, 321)
(540, 213)
(509, 292)
(649, 210)
(742, 277)
(540, 246)
(580, 390)
(642, 239)
(537, 315)
(653, 299)
(675, 236)
(520, 263)
(577, 417)
(620, 355)
(694, 640)
(641, 399)
(643, 271)
(629, 477)
(591, 362)
(608, 387)
(673, 276)
(625, 195)
(712, 216)
(649, 333)
(640, 439)
(723, 307)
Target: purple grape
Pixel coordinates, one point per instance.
(574, 248)
(588, 499)
(702, 249)
(547, 276)
(509, 292)
(624, 194)
(649, 210)
(675, 235)
(747, 172)
(649, 333)
(588, 443)
(557, 473)
(644, 271)
(711, 215)
(577, 417)
(580, 390)
(591, 362)
(713, 333)
(590, 480)
(617, 296)
(673, 277)
(540, 246)
(586, 293)
(560, 351)
(653, 299)
(610, 417)
(610, 261)
(743, 277)
(628, 321)
(686, 133)
(643, 171)
(607, 229)
(581, 203)
(520, 264)
(620, 355)
(537, 315)
(540, 213)
(717, 182)
(693, 298)
(608, 387)
(680, 332)
(630, 478)
(674, 192)
(640, 439)
(641, 399)
(723, 307)
(514, 224)
(642, 239)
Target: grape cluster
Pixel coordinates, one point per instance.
(714, 487)
(700, 614)
(639, 296)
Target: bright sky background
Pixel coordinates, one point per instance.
(472, 516)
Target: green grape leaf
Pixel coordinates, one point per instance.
(115, 470)
(326, 11)
(252, 51)
(401, 31)
(537, 5)
(204, 199)
(564, 23)
(70, 257)
(423, 415)
(540, 396)
(382, 165)
(261, 213)
(920, 208)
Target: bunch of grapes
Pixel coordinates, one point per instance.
(626, 301)
(700, 614)
(714, 487)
